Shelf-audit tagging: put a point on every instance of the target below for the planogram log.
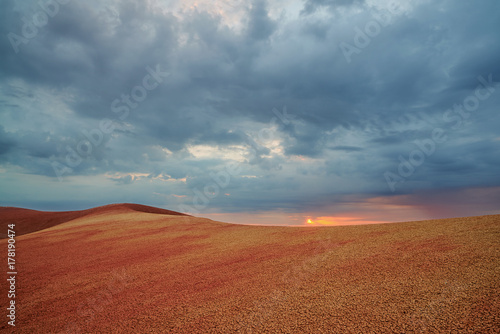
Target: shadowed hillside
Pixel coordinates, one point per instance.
(122, 269)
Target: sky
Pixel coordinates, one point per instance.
(258, 112)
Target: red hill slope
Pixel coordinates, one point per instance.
(28, 221)
(129, 271)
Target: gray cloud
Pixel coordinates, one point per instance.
(312, 5)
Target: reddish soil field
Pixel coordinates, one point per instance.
(135, 269)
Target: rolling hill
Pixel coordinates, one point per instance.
(28, 221)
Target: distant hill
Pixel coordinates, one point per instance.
(28, 221)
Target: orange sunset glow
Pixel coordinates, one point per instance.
(328, 221)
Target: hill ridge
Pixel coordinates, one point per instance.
(29, 220)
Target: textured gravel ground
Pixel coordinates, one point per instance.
(124, 271)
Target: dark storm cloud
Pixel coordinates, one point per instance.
(6, 143)
(350, 121)
(260, 25)
(346, 148)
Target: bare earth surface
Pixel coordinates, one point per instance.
(134, 269)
